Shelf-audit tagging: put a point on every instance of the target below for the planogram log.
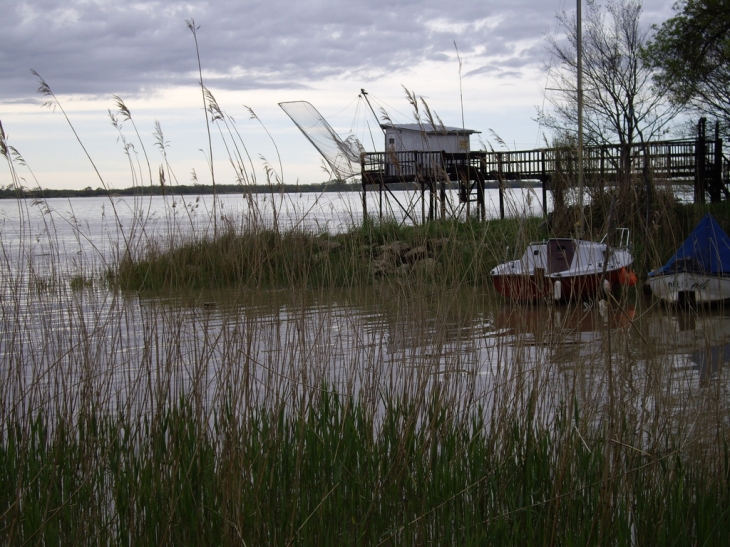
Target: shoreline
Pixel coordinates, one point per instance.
(220, 189)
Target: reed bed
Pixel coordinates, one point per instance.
(398, 413)
(331, 476)
(453, 253)
(266, 386)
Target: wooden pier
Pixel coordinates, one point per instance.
(698, 163)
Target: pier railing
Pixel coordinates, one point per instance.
(666, 160)
(698, 162)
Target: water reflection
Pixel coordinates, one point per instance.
(132, 351)
(708, 361)
(699, 339)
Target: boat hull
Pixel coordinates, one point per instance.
(530, 287)
(688, 287)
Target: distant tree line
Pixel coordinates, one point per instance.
(11, 192)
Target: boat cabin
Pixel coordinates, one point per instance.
(560, 254)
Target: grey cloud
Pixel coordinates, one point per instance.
(495, 71)
(126, 48)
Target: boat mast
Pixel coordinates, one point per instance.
(579, 53)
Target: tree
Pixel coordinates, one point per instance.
(691, 55)
(621, 106)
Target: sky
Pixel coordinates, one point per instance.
(485, 58)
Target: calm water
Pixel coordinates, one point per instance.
(392, 336)
(96, 227)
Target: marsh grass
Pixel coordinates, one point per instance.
(406, 407)
(460, 253)
(417, 473)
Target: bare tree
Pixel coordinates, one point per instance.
(621, 106)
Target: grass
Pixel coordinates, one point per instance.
(448, 253)
(451, 253)
(367, 388)
(337, 473)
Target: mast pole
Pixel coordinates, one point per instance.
(579, 52)
(365, 96)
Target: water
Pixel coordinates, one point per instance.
(128, 351)
(97, 227)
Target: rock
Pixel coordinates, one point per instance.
(427, 266)
(417, 253)
(383, 266)
(398, 248)
(390, 258)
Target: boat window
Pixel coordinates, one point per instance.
(560, 255)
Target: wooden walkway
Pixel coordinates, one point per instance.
(697, 163)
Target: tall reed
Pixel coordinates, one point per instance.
(285, 391)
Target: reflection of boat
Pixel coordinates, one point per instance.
(699, 272)
(564, 336)
(702, 338)
(565, 269)
(708, 361)
(544, 321)
(685, 331)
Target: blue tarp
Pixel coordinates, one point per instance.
(706, 250)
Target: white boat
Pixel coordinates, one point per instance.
(564, 269)
(699, 272)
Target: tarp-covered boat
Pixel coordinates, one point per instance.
(565, 269)
(699, 272)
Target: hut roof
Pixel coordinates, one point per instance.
(428, 128)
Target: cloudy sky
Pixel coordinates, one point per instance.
(256, 54)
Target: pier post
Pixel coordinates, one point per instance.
(717, 171)
(700, 162)
(500, 178)
(543, 179)
(364, 188)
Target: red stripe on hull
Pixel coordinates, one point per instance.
(523, 287)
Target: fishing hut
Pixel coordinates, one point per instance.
(426, 158)
(432, 160)
(435, 162)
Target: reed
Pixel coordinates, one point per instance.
(414, 473)
(449, 253)
(292, 387)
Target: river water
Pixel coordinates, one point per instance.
(98, 226)
(132, 351)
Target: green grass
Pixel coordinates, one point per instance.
(337, 473)
(456, 253)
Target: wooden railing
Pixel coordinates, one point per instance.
(698, 162)
(665, 160)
